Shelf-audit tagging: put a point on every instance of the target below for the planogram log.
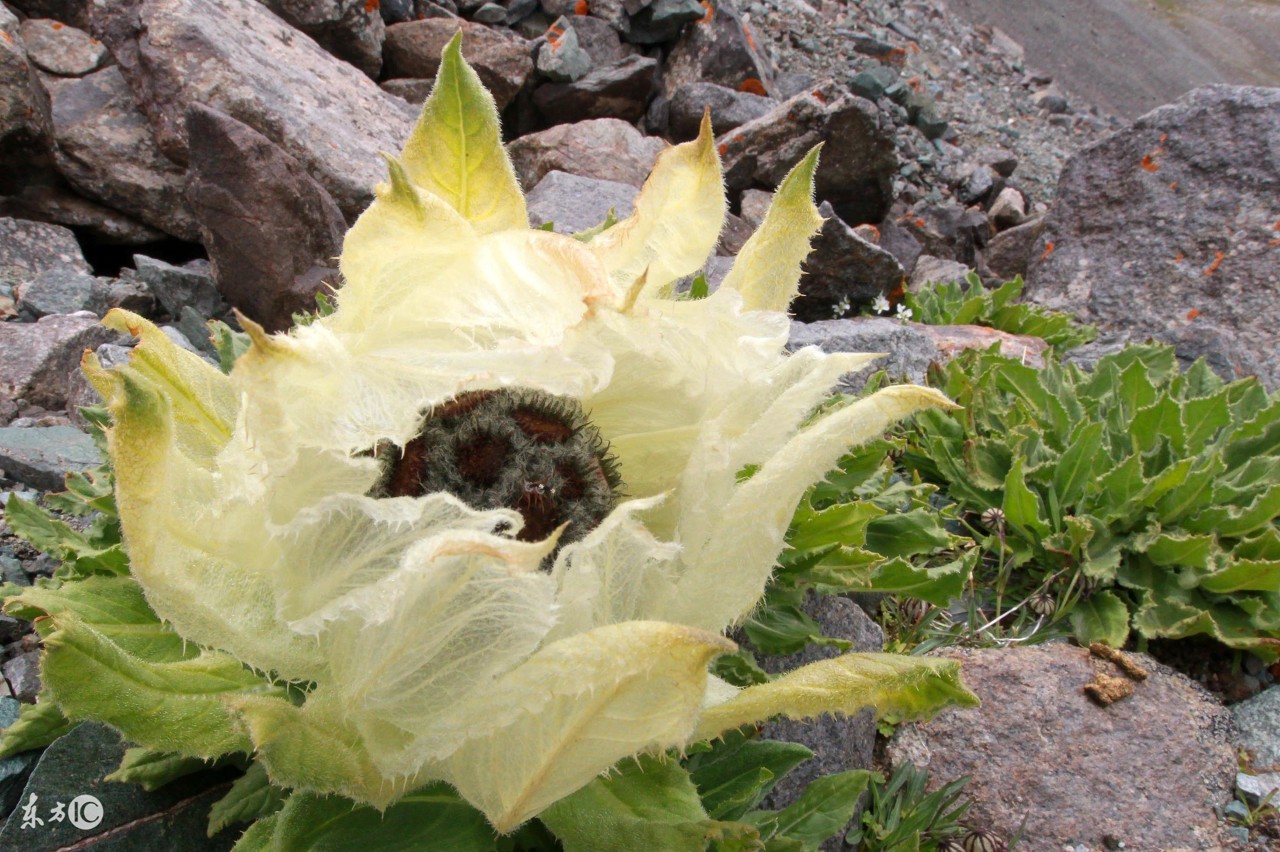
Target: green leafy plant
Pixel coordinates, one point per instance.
(968, 302)
(1145, 496)
(901, 815)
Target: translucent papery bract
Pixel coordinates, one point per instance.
(200, 558)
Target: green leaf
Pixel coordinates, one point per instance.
(432, 818)
(937, 584)
(96, 550)
(1101, 618)
(907, 533)
(736, 772)
(841, 524)
(904, 687)
(154, 769)
(739, 669)
(1078, 465)
(822, 811)
(785, 630)
(228, 343)
(1236, 521)
(38, 725)
(1022, 509)
(112, 606)
(250, 798)
(173, 706)
(645, 804)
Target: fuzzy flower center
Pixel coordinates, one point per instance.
(519, 449)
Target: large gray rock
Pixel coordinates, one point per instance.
(59, 49)
(1259, 722)
(13, 770)
(599, 40)
(620, 91)
(38, 360)
(573, 203)
(838, 743)
(1147, 772)
(605, 148)
(25, 126)
(843, 270)
(858, 162)
(500, 57)
(106, 151)
(730, 109)
(63, 291)
(1172, 215)
(41, 457)
(349, 29)
(908, 349)
(271, 230)
(237, 57)
(178, 287)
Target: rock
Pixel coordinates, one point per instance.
(22, 673)
(859, 159)
(661, 21)
(949, 231)
(41, 457)
(177, 287)
(500, 57)
(1259, 721)
(611, 12)
(29, 248)
(838, 743)
(37, 360)
(599, 40)
(620, 91)
(63, 291)
(1008, 210)
(235, 56)
(999, 160)
(1010, 253)
(719, 48)
(951, 340)
(490, 13)
(129, 292)
(755, 204)
(908, 349)
(573, 203)
(397, 11)
(106, 151)
(173, 817)
(734, 235)
(58, 205)
(1265, 786)
(13, 770)
(1051, 102)
(1147, 771)
(271, 229)
(1174, 215)
(605, 148)
(412, 89)
(976, 185)
(935, 270)
(729, 109)
(59, 49)
(351, 30)
(872, 82)
(843, 270)
(25, 126)
(560, 57)
(898, 241)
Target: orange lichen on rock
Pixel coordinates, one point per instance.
(1179, 257)
(711, 12)
(1193, 313)
(1149, 163)
(1048, 249)
(582, 7)
(1213, 267)
(371, 6)
(752, 86)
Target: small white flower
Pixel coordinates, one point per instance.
(881, 304)
(904, 313)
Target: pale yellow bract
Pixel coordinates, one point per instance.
(436, 646)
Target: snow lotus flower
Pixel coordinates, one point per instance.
(492, 517)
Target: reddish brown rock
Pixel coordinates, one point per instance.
(605, 148)
(106, 151)
(729, 109)
(500, 57)
(952, 340)
(237, 57)
(351, 30)
(271, 230)
(843, 270)
(721, 49)
(25, 126)
(38, 360)
(1146, 772)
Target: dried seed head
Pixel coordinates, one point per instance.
(982, 840)
(913, 610)
(993, 518)
(1043, 604)
(518, 449)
